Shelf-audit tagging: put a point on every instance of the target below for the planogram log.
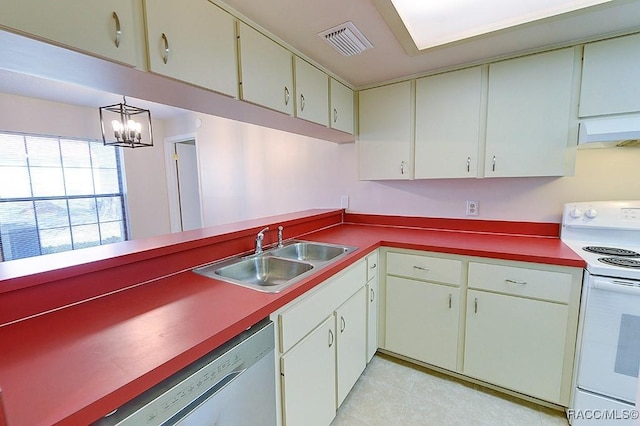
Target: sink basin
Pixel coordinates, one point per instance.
(275, 269)
(308, 251)
(257, 272)
(264, 270)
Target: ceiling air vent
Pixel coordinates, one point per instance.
(346, 39)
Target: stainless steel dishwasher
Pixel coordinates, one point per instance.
(233, 385)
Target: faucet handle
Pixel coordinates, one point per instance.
(280, 244)
(261, 233)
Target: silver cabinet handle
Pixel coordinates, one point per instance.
(475, 305)
(373, 266)
(493, 164)
(515, 281)
(402, 167)
(118, 29)
(165, 56)
(343, 324)
(421, 268)
(335, 115)
(286, 95)
(331, 338)
(468, 164)
(301, 102)
(450, 297)
(373, 295)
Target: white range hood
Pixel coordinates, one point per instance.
(606, 132)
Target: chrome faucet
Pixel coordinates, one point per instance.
(280, 244)
(259, 239)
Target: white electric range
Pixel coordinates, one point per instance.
(607, 236)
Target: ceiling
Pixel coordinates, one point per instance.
(297, 22)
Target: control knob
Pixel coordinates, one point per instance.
(575, 213)
(591, 213)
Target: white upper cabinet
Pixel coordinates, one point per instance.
(266, 71)
(341, 111)
(385, 140)
(312, 93)
(102, 28)
(193, 41)
(448, 124)
(531, 114)
(610, 77)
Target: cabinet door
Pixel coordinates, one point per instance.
(448, 117)
(385, 136)
(351, 320)
(205, 55)
(308, 375)
(610, 82)
(341, 111)
(422, 321)
(372, 318)
(312, 93)
(530, 103)
(372, 305)
(267, 74)
(516, 342)
(103, 28)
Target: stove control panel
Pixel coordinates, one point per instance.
(631, 215)
(602, 215)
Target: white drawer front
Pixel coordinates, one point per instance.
(546, 285)
(302, 317)
(424, 268)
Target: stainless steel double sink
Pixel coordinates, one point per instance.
(278, 268)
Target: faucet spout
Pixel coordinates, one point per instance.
(259, 239)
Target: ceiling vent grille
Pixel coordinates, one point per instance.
(346, 39)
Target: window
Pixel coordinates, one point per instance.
(57, 195)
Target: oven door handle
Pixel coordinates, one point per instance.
(618, 287)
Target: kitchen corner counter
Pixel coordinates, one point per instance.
(76, 363)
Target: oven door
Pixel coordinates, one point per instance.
(610, 355)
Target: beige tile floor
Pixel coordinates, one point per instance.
(392, 392)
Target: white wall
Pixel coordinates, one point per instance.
(144, 167)
(249, 171)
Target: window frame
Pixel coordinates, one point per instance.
(95, 195)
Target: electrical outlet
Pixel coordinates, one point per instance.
(472, 208)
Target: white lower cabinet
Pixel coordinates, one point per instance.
(351, 348)
(518, 331)
(322, 341)
(308, 379)
(422, 321)
(516, 342)
(372, 304)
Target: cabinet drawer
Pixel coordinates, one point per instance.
(372, 265)
(546, 285)
(424, 268)
(302, 317)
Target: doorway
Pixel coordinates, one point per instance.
(185, 160)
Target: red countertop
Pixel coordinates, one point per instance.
(77, 363)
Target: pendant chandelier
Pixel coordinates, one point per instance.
(125, 125)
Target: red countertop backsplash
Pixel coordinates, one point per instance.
(83, 332)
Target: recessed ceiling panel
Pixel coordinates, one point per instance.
(438, 22)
